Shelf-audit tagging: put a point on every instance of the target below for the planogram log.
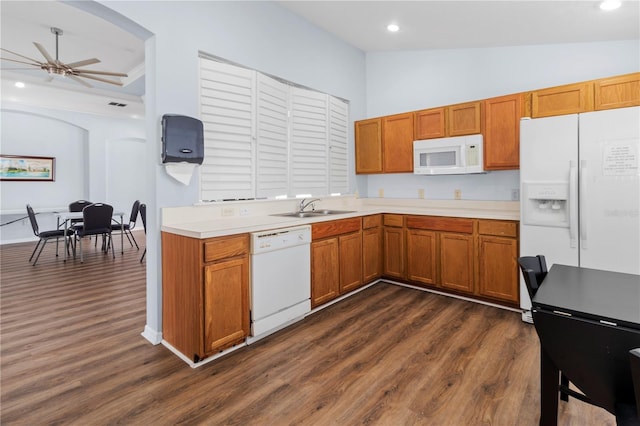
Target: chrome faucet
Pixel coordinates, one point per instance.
(304, 205)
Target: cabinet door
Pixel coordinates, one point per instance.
(393, 252)
(617, 92)
(430, 123)
(325, 273)
(371, 254)
(397, 143)
(350, 261)
(464, 119)
(421, 256)
(561, 100)
(456, 262)
(368, 146)
(226, 304)
(498, 269)
(502, 132)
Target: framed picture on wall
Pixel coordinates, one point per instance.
(27, 168)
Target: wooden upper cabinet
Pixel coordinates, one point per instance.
(368, 146)
(501, 118)
(397, 143)
(561, 100)
(430, 123)
(617, 92)
(464, 119)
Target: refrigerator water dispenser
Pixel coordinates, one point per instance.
(546, 203)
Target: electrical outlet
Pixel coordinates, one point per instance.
(515, 194)
(457, 194)
(380, 193)
(244, 211)
(228, 211)
(421, 193)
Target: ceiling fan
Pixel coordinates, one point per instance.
(71, 70)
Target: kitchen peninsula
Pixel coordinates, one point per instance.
(465, 249)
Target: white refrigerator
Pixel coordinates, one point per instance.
(580, 191)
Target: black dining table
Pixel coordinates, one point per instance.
(587, 321)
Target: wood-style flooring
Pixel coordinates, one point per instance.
(72, 353)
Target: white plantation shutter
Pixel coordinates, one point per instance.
(272, 150)
(265, 137)
(227, 112)
(308, 153)
(338, 139)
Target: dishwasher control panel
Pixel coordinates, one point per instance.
(280, 238)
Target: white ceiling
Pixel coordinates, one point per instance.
(423, 24)
(454, 24)
(84, 36)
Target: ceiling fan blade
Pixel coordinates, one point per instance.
(22, 56)
(83, 63)
(21, 62)
(117, 83)
(115, 74)
(45, 53)
(17, 69)
(79, 80)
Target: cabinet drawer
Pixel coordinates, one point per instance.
(437, 223)
(225, 247)
(335, 227)
(371, 221)
(393, 220)
(497, 227)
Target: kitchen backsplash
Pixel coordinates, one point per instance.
(491, 186)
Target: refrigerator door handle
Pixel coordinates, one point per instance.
(573, 204)
(583, 204)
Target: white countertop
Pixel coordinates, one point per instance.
(220, 226)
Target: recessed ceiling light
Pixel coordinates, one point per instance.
(19, 84)
(610, 4)
(393, 28)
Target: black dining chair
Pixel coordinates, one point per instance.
(534, 270)
(96, 220)
(143, 216)
(44, 236)
(128, 227)
(77, 206)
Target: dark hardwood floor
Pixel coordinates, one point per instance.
(71, 353)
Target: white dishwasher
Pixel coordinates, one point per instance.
(280, 279)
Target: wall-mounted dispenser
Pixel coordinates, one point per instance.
(182, 145)
(546, 203)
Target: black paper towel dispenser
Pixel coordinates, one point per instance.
(182, 139)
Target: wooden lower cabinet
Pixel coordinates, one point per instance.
(325, 273)
(456, 262)
(371, 248)
(393, 246)
(205, 293)
(225, 304)
(336, 259)
(350, 255)
(498, 276)
(422, 256)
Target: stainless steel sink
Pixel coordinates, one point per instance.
(313, 213)
(296, 214)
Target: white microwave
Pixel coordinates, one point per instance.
(448, 156)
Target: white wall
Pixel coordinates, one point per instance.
(259, 35)
(407, 81)
(93, 155)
